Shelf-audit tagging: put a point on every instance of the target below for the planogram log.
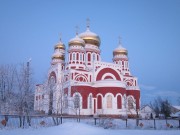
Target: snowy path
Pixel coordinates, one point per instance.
(73, 128)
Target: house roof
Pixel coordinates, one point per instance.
(177, 107)
(146, 106)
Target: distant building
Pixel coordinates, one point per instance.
(175, 111)
(147, 112)
(84, 84)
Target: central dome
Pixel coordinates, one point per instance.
(90, 37)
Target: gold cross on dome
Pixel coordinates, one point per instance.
(77, 30)
(119, 39)
(60, 36)
(88, 22)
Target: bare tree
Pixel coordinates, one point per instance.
(161, 106)
(55, 101)
(7, 77)
(156, 105)
(16, 91)
(24, 93)
(166, 108)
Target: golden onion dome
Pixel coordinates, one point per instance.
(58, 56)
(120, 51)
(59, 45)
(90, 37)
(76, 41)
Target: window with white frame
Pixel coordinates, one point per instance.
(76, 101)
(90, 101)
(94, 57)
(109, 101)
(130, 103)
(74, 56)
(80, 57)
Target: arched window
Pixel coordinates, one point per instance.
(130, 103)
(93, 57)
(77, 56)
(97, 57)
(74, 55)
(76, 101)
(89, 57)
(51, 84)
(119, 102)
(109, 101)
(80, 57)
(90, 101)
(99, 102)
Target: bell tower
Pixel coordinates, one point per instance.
(120, 56)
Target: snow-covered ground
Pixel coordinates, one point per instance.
(13, 122)
(74, 128)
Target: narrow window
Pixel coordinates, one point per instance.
(80, 57)
(119, 104)
(109, 101)
(130, 103)
(94, 57)
(99, 102)
(76, 101)
(74, 55)
(90, 102)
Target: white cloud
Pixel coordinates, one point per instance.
(168, 93)
(172, 95)
(163, 93)
(146, 87)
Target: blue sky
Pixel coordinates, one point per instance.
(150, 30)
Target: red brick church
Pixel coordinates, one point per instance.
(84, 84)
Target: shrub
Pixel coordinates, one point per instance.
(141, 124)
(42, 123)
(168, 125)
(3, 122)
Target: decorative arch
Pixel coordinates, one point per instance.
(107, 70)
(129, 83)
(81, 78)
(108, 76)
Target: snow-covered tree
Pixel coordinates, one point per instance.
(7, 79)
(24, 93)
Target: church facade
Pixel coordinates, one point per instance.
(85, 85)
